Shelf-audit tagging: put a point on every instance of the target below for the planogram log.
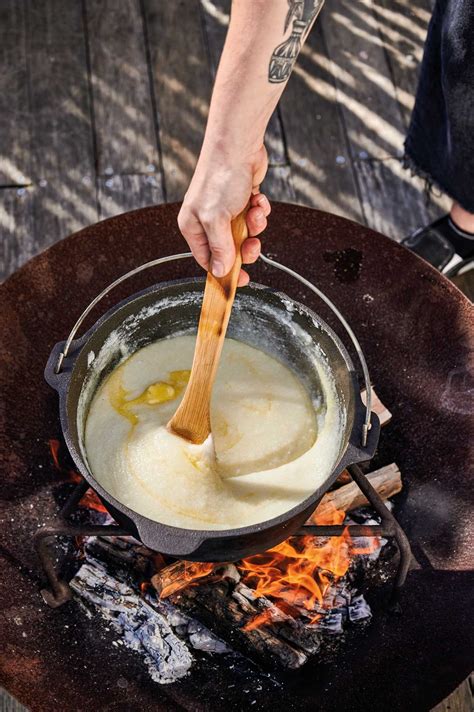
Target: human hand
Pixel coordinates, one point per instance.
(219, 191)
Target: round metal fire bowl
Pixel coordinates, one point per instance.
(416, 330)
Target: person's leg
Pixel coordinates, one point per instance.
(440, 141)
(462, 218)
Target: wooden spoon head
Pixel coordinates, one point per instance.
(191, 422)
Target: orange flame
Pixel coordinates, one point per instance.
(295, 575)
(192, 572)
(260, 620)
(90, 500)
(300, 570)
(54, 446)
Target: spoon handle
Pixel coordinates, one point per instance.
(192, 418)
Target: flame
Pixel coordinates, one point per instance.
(296, 575)
(299, 571)
(90, 500)
(192, 572)
(54, 446)
(260, 620)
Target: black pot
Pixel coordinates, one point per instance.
(261, 317)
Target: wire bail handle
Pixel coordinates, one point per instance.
(183, 255)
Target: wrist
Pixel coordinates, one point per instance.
(229, 147)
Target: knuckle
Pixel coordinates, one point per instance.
(219, 250)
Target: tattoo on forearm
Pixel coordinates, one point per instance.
(302, 13)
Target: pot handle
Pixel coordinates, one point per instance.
(183, 255)
(104, 292)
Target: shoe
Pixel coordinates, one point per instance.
(440, 242)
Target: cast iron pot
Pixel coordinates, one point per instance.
(261, 317)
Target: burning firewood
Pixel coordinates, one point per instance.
(386, 481)
(277, 605)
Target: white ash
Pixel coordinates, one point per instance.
(143, 629)
(198, 636)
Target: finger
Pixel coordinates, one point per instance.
(200, 249)
(221, 245)
(256, 221)
(251, 250)
(244, 279)
(194, 234)
(261, 200)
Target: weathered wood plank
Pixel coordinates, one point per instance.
(365, 89)
(10, 704)
(16, 229)
(278, 184)
(123, 115)
(216, 20)
(460, 700)
(402, 26)
(61, 135)
(14, 124)
(322, 174)
(118, 194)
(182, 87)
(393, 202)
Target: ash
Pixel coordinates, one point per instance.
(168, 638)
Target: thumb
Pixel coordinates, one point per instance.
(221, 245)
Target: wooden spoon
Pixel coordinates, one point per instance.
(192, 419)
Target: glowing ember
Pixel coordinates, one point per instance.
(260, 620)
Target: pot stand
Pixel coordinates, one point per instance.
(60, 592)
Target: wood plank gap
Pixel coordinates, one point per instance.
(153, 101)
(62, 161)
(346, 135)
(182, 87)
(91, 97)
(6, 186)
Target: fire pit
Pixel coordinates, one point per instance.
(414, 329)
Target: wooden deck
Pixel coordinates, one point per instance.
(103, 105)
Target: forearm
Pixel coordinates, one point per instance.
(262, 44)
(253, 71)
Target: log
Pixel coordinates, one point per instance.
(386, 481)
(261, 629)
(228, 616)
(179, 574)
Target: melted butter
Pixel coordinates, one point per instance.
(154, 394)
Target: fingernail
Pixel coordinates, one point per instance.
(218, 269)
